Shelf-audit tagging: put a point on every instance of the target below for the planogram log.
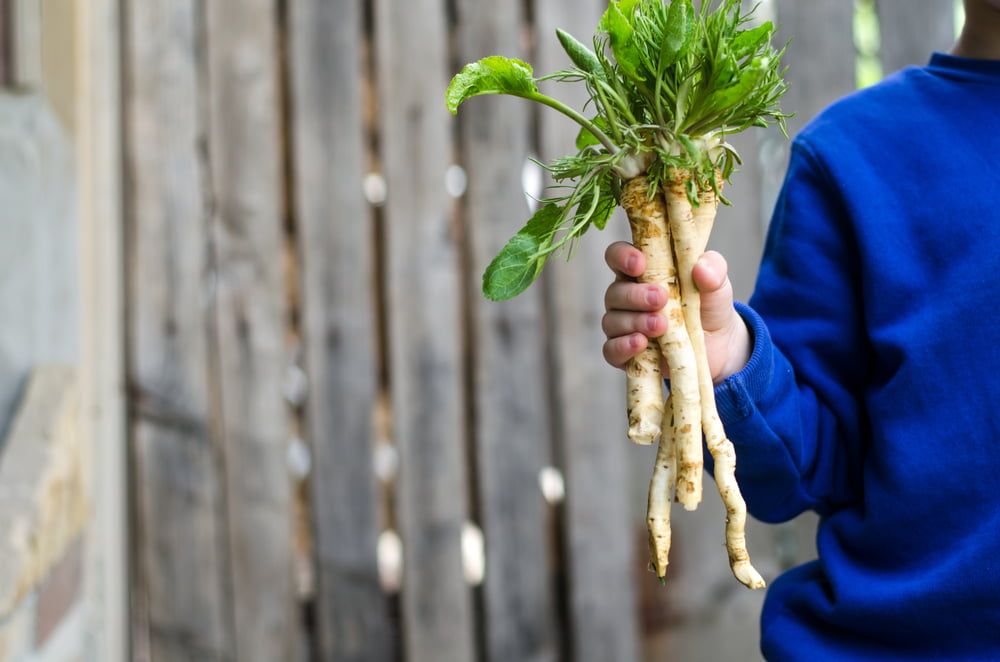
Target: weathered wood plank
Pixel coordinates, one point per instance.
(512, 425)
(26, 41)
(180, 601)
(102, 335)
(336, 249)
(246, 175)
(424, 328)
(912, 29)
(590, 398)
(821, 69)
(820, 58)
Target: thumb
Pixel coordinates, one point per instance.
(711, 277)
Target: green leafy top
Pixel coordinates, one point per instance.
(667, 83)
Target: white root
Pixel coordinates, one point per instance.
(690, 236)
(643, 378)
(644, 393)
(684, 383)
(671, 248)
(651, 234)
(661, 488)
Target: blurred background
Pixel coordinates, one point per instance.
(252, 404)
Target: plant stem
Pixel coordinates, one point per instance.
(622, 105)
(573, 115)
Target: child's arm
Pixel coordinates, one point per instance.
(790, 389)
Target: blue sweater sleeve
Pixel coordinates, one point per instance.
(794, 413)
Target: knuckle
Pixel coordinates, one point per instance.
(612, 255)
(606, 324)
(609, 296)
(608, 352)
(621, 349)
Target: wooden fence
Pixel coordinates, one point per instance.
(286, 334)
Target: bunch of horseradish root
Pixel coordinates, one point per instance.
(668, 84)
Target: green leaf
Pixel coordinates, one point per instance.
(491, 75)
(748, 41)
(518, 263)
(514, 269)
(581, 56)
(726, 69)
(627, 8)
(619, 28)
(544, 222)
(682, 102)
(678, 33)
(728, 96)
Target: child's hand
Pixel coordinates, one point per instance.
(633, 312)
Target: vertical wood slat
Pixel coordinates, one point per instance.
(512, 426)
(180, 603)
(246, 174)
(912, 29)
(820, 58)
(591, 398)
(424, 328)
(26, 43)
(102, 340)
(335, 247)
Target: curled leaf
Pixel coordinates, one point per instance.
(491, 75)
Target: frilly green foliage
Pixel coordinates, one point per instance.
(668, 83)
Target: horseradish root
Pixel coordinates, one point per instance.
(667, 86)
(690, 233)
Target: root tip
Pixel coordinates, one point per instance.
(690, 506)
(644, 434)
(749, 577)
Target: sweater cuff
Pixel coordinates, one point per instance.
(738, 396)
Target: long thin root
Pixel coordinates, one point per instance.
(661, 487)
(678, 347)
(690, 235)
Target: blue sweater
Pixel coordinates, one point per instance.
(873, 392)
